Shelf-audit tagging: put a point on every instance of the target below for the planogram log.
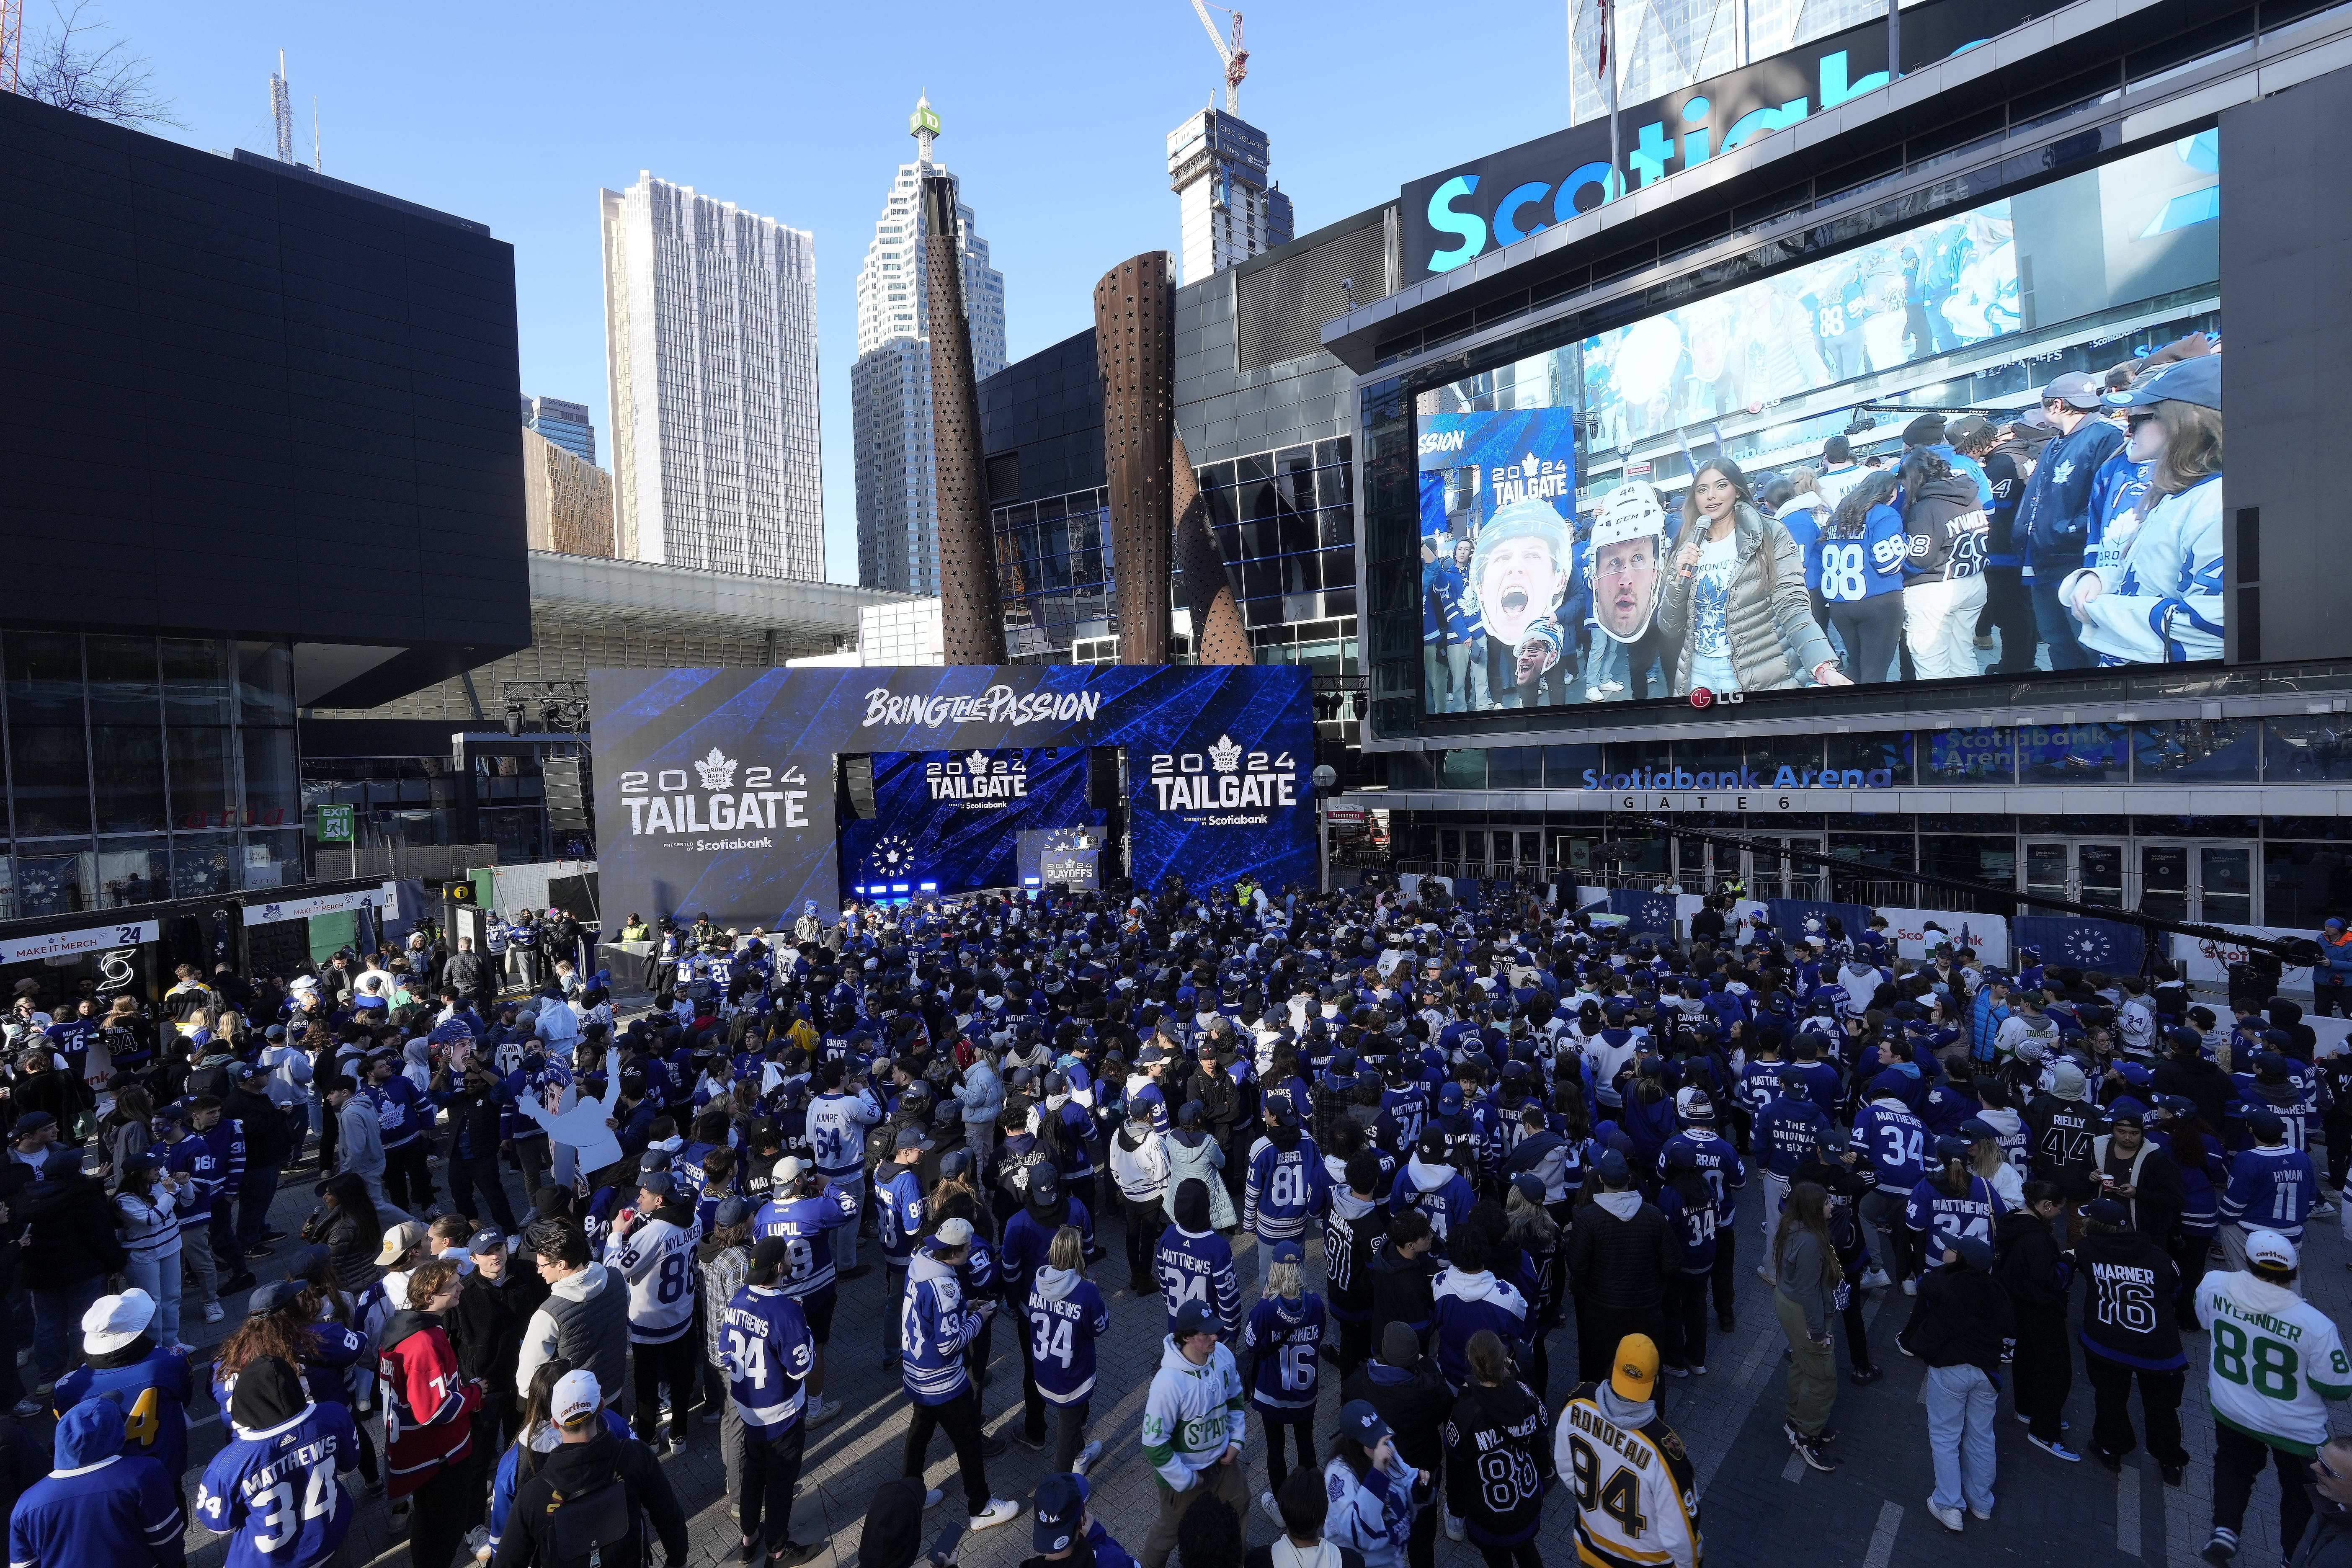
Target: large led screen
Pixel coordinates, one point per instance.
(1846, 472)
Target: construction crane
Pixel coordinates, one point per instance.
(12, 41)
(1237, 58)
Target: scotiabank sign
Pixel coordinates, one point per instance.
(1460, 214)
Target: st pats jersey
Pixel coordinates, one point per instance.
(1636, 1498)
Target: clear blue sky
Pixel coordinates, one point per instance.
(1056, 119)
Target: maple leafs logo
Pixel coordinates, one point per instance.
(1224, 756)
(718, 770)
(977, 765)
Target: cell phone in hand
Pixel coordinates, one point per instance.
(944, 1548)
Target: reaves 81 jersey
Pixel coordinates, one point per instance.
(1636, 1497)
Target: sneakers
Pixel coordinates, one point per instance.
(1911, 1286)
(2114, 1463)
(1813, 1450)
(1673, 1371)
(2173, 1474)
(999, 1511)
(1265, 1502)
(2321, 1209)
(259, 1249)
(1766, 1276)
(1698, 1369)
(244, 1281)
(1949, 1518)
(1086, 1456)
(2064, 1426)
(2054, 1448)
(860, 1272)
(1863, 1376)
(1726, 1323)
(994, 1447)
(213, 1313)
(26, 1408)
(1976, 1512)
(827, 1411)
(2222, 1549)
(1454, 1529)
(1035, 1444)
(1875, 1279)
(931, 1498)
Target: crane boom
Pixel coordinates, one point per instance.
(1237, 59)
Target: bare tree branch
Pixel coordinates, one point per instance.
(68, 68)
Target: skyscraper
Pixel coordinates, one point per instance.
(890, 388)
(1662, 46)
(568, 424)
(710, 339)
(1217, 167)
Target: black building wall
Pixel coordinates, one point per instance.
(2286, 250)
(1041, 423)
(237, 399)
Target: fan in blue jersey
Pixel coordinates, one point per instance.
(898, 1205)
(1062, 1317)
(806, 1212)
(272, 1487)
(1951, 1201)
(1286, 1184)
(1429, 1184)
(1282, 1345)
(1194, 1263)
(768, 1358)
(98, 1508)
(1894, 1143)
(122, 1363)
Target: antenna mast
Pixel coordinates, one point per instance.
(281, 111)
(12, 41)
(317, 165)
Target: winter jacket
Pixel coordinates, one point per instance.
(1400, 1290)
(2029, 1266)
(2327, 1540)
(1620, 1251)
(980, 1094)
(486, 1325)
(575, 1469)
(1192, 1415)
(1140, 1164)
(2055, 514)
(2157, 1197)
(1195, 1157)
(1961, 1317)
(1775, 641)
(1465, 1303)
(584, 1319)
(70, 1226)
(1413, 1400)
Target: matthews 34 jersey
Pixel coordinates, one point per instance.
(1636, 1498)
(274, 1493)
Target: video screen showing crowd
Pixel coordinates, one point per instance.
(1981, 517)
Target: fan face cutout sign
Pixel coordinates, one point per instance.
(715, 787)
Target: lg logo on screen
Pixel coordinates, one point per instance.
(1701, 697)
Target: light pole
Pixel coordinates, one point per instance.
(1325, 776)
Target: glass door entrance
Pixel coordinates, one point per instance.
(2081, 870)
(2202, 882)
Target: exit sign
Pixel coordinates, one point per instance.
(335, 824)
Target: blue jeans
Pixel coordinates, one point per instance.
(160, 1277)
(2056, 625)
(57, 1324)
(253, 1204)
(1960, 1401)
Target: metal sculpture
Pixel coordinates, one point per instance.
(972, 609)
(1134, 346)
(1219, 636)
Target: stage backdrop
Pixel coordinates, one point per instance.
(714, 787)
(961, 815)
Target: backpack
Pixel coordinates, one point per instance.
(596, 1530)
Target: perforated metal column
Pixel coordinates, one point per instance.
(971, 611)
(1218, 634)
(1135, 345)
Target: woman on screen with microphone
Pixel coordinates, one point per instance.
(1735, 595)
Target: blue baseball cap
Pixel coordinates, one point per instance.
(2197, 381)
(1058, 1504)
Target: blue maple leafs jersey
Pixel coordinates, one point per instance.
(153, 1393)
(274, 1491)
(768, 1357)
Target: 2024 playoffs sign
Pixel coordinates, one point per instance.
(714, 786)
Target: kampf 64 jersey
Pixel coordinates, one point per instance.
(1636, 1498)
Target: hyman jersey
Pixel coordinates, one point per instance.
(274, 1493)
(1636, 1500)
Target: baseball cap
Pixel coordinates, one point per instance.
(1192, 1318)
(1633, 1374)
(1361, 1423)
(912, 1137)
(2197, 381)
(1058, 1503)
(2107, 1211)
(655, 1183)
(790, 1169)
(2269, 1247)
(769, 1254)
(32, 1121)
(397, 1241)
(485, 1242)
(113, 1321)
(2075, 388)
(576, 1399)
(954, 1234)
(1613, 1169)
(266, 1298)
(1286, 1252)
(731, 1212)
(1531, 1186)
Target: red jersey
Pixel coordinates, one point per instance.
(428, 1407)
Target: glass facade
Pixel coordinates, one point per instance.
(144, 768)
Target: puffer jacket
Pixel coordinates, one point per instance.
(1775, 642)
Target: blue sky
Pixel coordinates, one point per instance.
(1055, 119)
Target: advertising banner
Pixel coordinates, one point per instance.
(2069, 942)
(2205, 962)
(384, 897)
(69, 943)
(714, 786)
(1918, 933)
(961, 815)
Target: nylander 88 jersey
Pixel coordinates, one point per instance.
(656, 1257)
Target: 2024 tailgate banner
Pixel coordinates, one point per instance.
(715, 786)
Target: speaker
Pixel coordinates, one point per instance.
(1102, 777)
(857, 787)
(567, 793)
